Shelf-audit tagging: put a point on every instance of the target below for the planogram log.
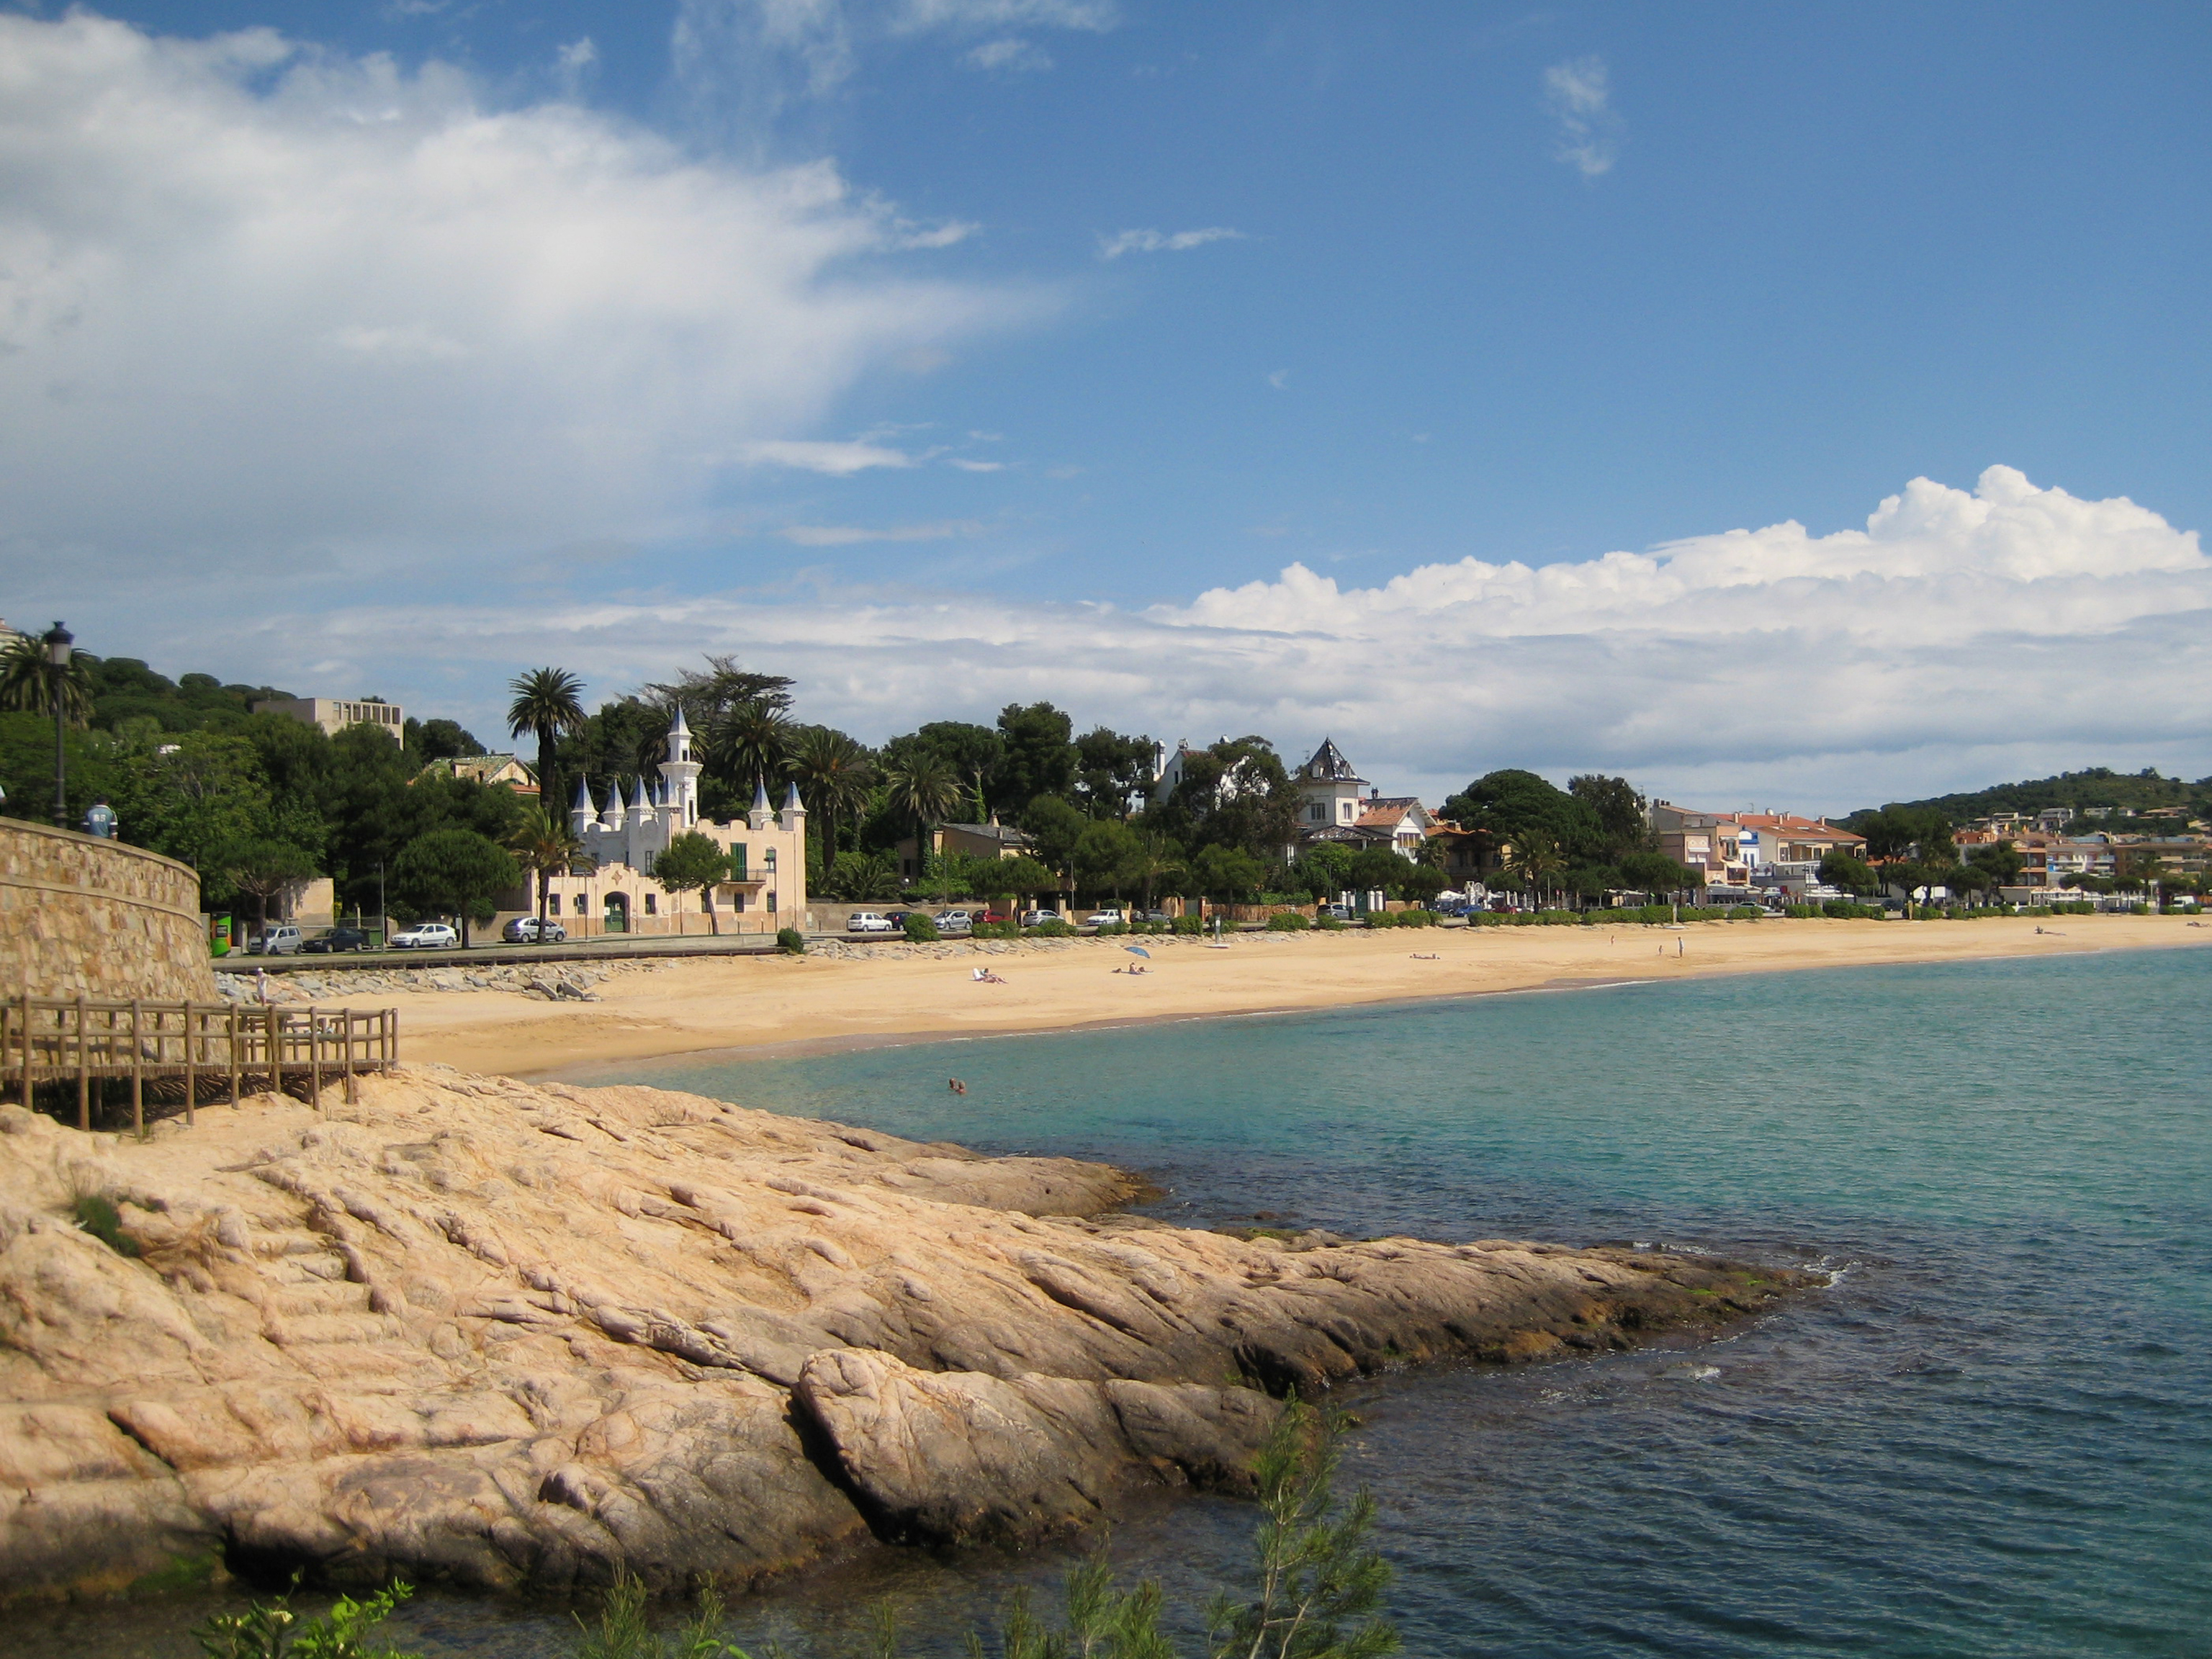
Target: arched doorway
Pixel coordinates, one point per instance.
(617, 913)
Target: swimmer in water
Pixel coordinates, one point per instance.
(956, 1085)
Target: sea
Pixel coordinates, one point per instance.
(1991, 1434)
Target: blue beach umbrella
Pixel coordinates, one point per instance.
(1137, 951)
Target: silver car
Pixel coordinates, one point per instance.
(956, 921)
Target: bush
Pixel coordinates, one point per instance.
(1289, 921)
(1055, 928)
(1417, 919)
(96, 1214)
(1188, 924)
(920, 929)
(1113, 929)
(995, 930)
(1745, 913)
(790, 940)
(1329, 924)
(266, 1630)
(1382, 919)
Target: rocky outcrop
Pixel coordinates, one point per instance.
(498, 1334)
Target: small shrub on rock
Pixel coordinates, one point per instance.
(1289, 921)
(96, 1214)
(1188, 924)
(791, 941)
(921, 929)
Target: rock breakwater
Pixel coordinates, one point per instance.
(503, 1333)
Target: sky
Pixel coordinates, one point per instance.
(1777, 406)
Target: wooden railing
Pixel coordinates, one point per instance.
(188, 1049)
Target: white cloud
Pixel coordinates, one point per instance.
(1093, 16)
(1960, 638)
(1579, 93)
(1280, 379)
(573, 62)
(1011, 54)
(838, 461)
(847, 535)
(259, 302)
(976, 467)
(1156, 241)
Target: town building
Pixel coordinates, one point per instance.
(610, 888)
(979, 841)
(334, 714)
(506, 770)
(1705, 843)
(1329, 791)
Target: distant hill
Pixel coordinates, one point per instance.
(2100, 791)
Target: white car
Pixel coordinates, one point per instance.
(867, 921)
(426, 936)
(1104, 919)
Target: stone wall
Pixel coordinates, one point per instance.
(79, 915)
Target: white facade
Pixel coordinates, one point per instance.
(1329, 791)
(766, 885)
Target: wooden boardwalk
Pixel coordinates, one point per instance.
(192, 1051)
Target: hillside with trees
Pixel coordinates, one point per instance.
(2098, 792)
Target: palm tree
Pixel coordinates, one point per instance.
(749, 742)
(544, 843)
(925, 788)
(832, 773)
(1157, 856)
(1535, 858)
(27, 681)
(549, 703)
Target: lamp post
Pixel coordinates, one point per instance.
(58, 641)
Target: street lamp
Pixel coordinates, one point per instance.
(58, 641)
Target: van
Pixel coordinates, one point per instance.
(282, 940)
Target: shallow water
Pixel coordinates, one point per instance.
(1993, 1435)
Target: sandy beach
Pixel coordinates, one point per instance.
(754, 1002)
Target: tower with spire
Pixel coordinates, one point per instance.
(680, 772)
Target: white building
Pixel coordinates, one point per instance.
(334, 714)
(611, 887)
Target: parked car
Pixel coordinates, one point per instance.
(1037, 918)
(994, 917)
(1339, 913)
(529, 930)
(426, 936)
(956, 921)
(867, 921)
(1105, 918)
(1152, 915)
(331, 941)
(281, 940)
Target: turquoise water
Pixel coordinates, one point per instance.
(1992, 1436)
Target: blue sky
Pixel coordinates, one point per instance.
(943, 352)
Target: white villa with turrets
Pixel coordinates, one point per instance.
(610, 889)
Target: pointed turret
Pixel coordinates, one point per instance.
(584, 811)
(610, 819)
(640, 804)
(757, 818)
(793, 818)
(679, 773)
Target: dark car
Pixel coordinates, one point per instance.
(1152, 915)
(331, 941)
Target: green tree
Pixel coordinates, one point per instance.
(1537, 859)
(542, 844)
(922, 788)
(1107, 855)
(833, 773)
(1324, 870)
(207, 793)
(29, 683)
(1234, 793)
(750, 745)
(864, 878)
(1055, 828)
(1656, 873)
(1320, 1579)
(1850, 872)
(1506, 806)
(262, 868)
(548, 704)
(1228, 873)
(1039, 757)
(443, 739)
(973, 752)
(2002, 863)
(1618, 813)
(456, 873)
(692, 863)
(1111, 770)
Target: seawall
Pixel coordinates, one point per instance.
(80, 917)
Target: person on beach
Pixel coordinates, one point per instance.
(956, 1085)
(1681, 945)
